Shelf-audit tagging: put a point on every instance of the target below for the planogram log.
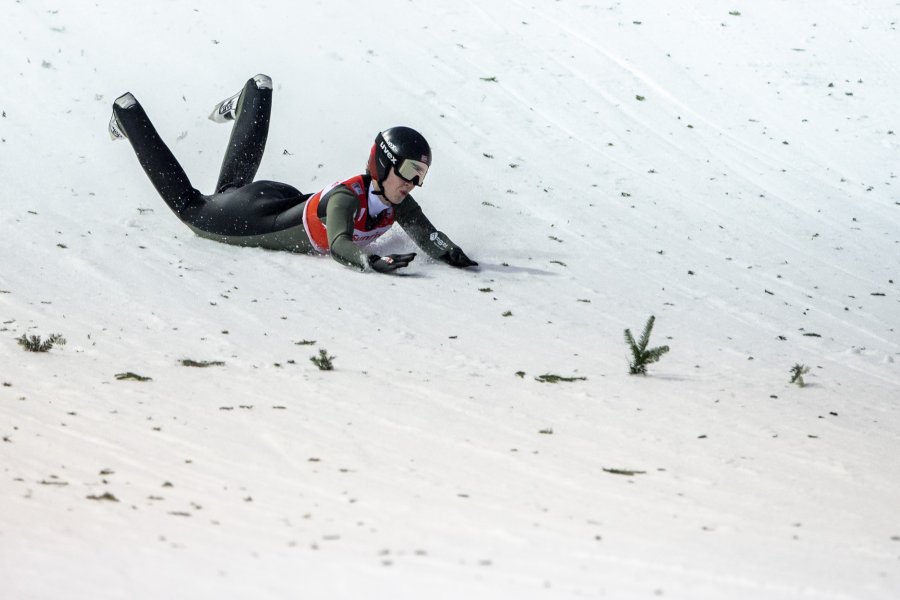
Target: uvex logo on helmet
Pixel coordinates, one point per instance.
(388, 153)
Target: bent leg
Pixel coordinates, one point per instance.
(248, 135)
(158, 162)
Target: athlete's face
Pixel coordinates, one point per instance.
(396, 188)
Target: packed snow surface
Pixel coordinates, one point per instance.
(730, 168)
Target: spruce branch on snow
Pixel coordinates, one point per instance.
(640, 355)
(201, 364)
(551, 378)
(129, 376)
(797, 373)
(34, 343)
(323, 361)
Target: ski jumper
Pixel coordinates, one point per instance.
(269, 214)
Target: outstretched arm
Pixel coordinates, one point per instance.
(426, 236)
(339, 217)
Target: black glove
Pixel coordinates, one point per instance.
(455, 257)
(391, 262)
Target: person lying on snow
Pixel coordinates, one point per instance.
(339, 219)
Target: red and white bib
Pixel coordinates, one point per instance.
(365, 229)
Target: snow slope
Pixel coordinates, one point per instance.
(730, 169)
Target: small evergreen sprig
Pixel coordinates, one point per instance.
(323, 361)
(34, 343)
(201, 364)
(641, 356)
(797, 373)
(551, 378)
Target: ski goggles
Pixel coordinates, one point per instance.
(412, 171)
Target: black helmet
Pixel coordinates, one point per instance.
(404, 150)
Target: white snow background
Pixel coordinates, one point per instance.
(730, 168)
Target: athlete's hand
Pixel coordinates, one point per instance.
(455, 257)
(391, 262)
